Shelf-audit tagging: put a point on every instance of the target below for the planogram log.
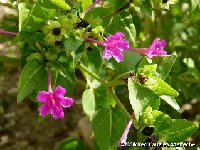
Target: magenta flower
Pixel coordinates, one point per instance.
(114, 46)
(53, 101)
(156, 48)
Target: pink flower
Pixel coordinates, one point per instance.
(156, 48)
(53, 102)
(114, 46)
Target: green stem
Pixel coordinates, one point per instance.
(121, 106)
(85, 69)
(118, 80)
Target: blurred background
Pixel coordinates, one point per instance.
(20, 127)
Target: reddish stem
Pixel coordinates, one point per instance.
(92, 40)
(8, 33)
(92, 5)
(138, 50)
(49, 80)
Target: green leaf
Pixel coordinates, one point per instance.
(86, 3)
(147, 70)
(160, 87)
(77, 55)
(146, 8)
(195, 3)
(56, 4)
(64, 82)
(171, 101)
(108, 126)
(72, 44)
(71, 144)
(161, 121)
(101, 98)
(93, 61)
(117, 4)
(66, 76)
(180, 130)
(32, 16)
(164, 64)
(29, 78)
(140, 98)
(65, 72)
(88, 102)
(127, 65)
(122, 22)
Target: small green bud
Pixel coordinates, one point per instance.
(146, 118)
(137, 2)
(50, 55)
(77, 32)
(66, 23)
(96, 32)
(50, 39)
(46, 29)
(54, 24)
(37, 56)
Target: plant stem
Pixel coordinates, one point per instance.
(119, 103)
(92, 5)
(138, 50)
(8, 33)
(153, 12)
(117, 80)
(92, 40)
(49, 80)
(85, 69)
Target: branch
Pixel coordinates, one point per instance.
(8, 33)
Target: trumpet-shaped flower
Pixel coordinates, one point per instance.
(114, 46)
(53, 100)
(122, 141)
(156, 48)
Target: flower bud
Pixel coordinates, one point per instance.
(37, 56)
(50, 55)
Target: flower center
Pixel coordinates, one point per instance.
(164, 1)
(56, 31)
(57, 43)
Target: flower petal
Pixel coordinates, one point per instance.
(156, 48)
(57, 112)
(43, 96)
(44, 110)
(107, 54)
(118, 55)
(59, 90)
(67, 102)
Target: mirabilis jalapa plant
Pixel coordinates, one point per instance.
(63, 38)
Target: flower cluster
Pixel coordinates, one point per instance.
(115, 45)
